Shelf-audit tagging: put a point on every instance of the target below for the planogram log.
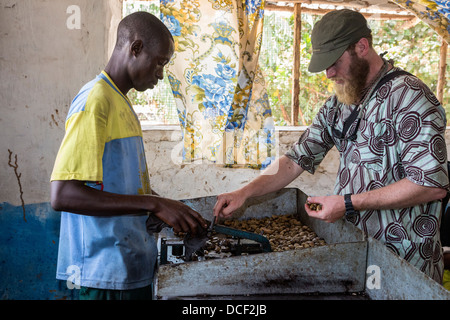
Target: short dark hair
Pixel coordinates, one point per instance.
(148, 27)
(351, 48)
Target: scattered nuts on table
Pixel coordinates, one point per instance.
(285, 232)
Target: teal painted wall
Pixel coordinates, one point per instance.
(28, 254)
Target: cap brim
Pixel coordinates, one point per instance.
(321, 61)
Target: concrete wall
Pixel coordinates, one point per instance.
(43, 64)
(170, 178)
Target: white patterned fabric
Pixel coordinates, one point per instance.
(217, 84)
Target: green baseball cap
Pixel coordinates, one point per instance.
(333, 34)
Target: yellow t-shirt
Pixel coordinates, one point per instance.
(103, 147)
(102, 131)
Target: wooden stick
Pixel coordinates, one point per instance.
(296, 72)
(442, 68)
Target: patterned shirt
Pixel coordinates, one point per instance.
(400, 135)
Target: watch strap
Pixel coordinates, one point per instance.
(349, 209)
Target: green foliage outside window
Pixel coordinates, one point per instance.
(416, 50)
(155, 106)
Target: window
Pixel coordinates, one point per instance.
(156, 106)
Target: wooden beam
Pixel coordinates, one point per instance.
(295, 106)
(408, 24)
(442, 68)
(379, 16)
(385, 5)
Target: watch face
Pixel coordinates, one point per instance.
(351, 214)
(352, 217)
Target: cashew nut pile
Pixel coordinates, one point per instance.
(285, 232)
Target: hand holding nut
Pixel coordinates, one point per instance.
(314, 206)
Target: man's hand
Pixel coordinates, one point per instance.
(401, 194)
(332, 208)
(277, 176)
(178, 215)
(74, 196)
(227, 203)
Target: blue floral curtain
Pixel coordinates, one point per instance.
(217, 84)
(435, 13)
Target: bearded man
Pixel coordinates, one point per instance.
(389, 130)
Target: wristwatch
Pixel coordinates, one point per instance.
(349, 209)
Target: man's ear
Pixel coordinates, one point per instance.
(362, 47)
(136, 47)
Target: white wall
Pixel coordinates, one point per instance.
(171, 179)
(43, 64)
